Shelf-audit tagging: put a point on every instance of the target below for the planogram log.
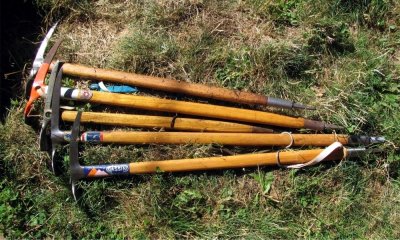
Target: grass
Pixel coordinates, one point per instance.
(341, 56)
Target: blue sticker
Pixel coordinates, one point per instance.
(116, 169)
(92, 137)
(106, 170)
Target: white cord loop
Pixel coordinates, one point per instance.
(320, 157)
(291, 139)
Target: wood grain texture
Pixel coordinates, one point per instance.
(196, 109)
(228, 162)
(237, 139)
(163, 84)
(181, 124)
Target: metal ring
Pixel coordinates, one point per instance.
(291, 139)
(278, 160)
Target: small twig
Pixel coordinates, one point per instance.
(379, 72)
(11, 73)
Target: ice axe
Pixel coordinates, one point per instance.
(174, 86)
(299, 158)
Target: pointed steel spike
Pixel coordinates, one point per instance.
(379, 139)
(365, 140)
(39, 58)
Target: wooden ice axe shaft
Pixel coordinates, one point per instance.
(170, 123)
(228, 162)
(170, 85)
(198, 164)
(196, 109)
(236, 139)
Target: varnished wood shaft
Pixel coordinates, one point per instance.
(197, 109)
(163, 84)
(237, 139)
(239, 161)
(181, 124)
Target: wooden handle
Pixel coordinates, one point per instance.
(185, 124)
(163, 84)
(197, 109)
(239, 161)
(237, 139)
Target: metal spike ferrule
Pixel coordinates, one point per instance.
(278, 102)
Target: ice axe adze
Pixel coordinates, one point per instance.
(300, 158)
(196, 109)
(174, 86)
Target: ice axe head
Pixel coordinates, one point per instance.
(78, 171)
(35, 84)
(36, 88)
